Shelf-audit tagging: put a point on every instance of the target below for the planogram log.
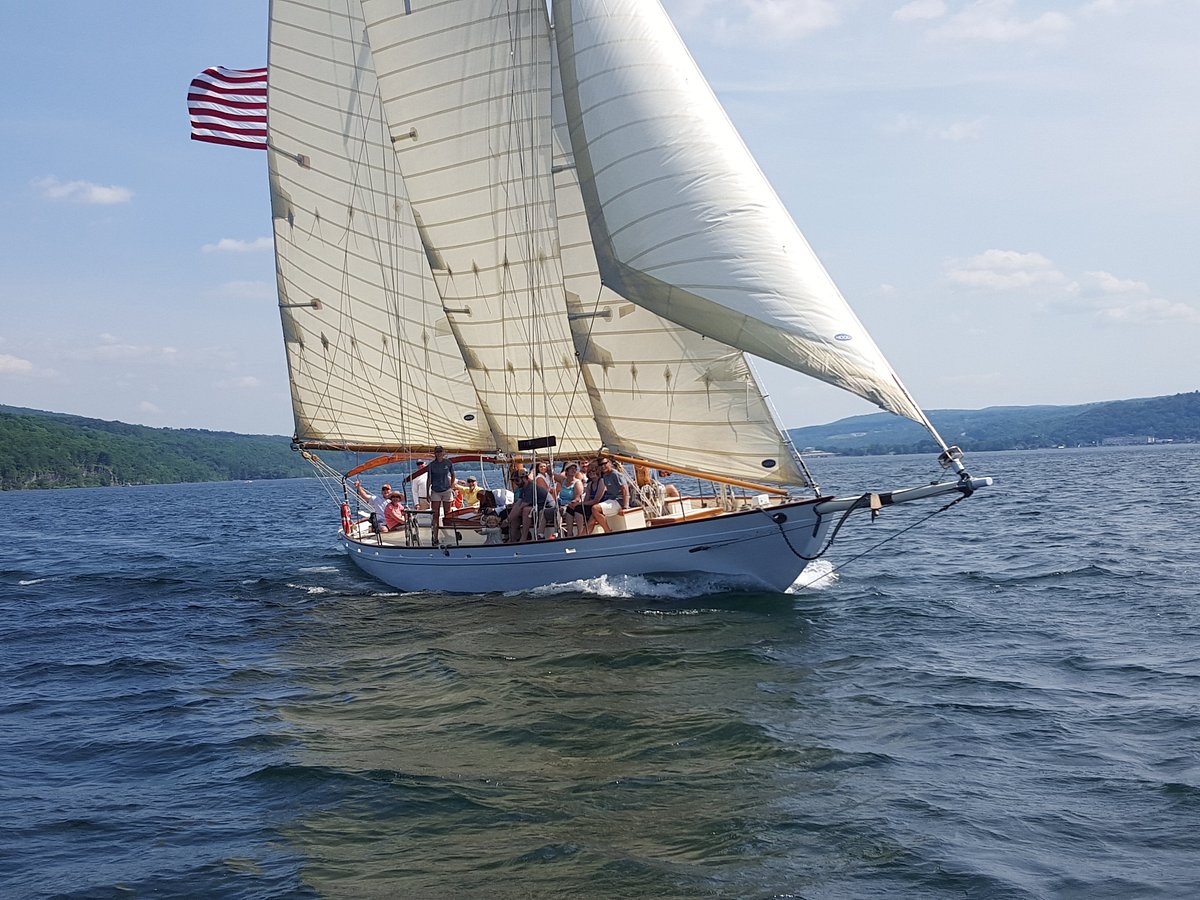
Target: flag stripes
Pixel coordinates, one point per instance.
(229, 106)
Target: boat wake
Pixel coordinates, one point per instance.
(818, 576)
(677, 587)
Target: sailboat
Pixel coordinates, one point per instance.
(527, 231)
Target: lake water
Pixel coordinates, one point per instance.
(202, 697)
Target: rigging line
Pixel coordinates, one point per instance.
(579, 355)
(422, 403)
(324, 401)
(523, 113)
(503, 273)
(871, 549)
(362, 186)
(388, 246)
(357, 166)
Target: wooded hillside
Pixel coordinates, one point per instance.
(1174, 418)
(42, 450)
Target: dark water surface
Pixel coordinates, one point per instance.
(201, 697)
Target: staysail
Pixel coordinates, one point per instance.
(371, 357)
(658, 390)
(683, 221)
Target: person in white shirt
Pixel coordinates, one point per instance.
(378, 503)
(420, 488)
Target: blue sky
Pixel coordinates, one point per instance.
(1005, 190)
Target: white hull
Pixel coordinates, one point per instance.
(764, 547)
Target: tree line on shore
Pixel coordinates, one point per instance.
(47, 450)
(1173, 418)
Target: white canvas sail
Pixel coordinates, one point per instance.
(658, 390)
(466, 93)
(683, 221)
(373, 362)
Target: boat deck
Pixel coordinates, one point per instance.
(419, 534)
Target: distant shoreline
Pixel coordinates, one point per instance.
(40, 449)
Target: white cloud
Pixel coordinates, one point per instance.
(995, 21)
(1125, 300)
(147, 407)
(1112, 7)
(112, 349)
(920, 10)
(789, 19)
(1110, 284)
(1145, 310)
(901, 123)
(14, 365)
(233, 245)
(82, 191)
(1103, 295)
(1004, 270)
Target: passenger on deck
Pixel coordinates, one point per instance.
(441, 489)
(616, 495)
(545, 476)
(394, 515)
(549, 509)
(504, 509)
(491, 530)
(487, 503)
(420, 488)
(616, 487)
(531, 500)
(593, 499)
(378, 503)
(570, 501)
(652, 493)
(470, 491)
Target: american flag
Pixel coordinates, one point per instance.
(229, 106)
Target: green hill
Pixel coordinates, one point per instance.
(1174, 418)
(41, 450)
